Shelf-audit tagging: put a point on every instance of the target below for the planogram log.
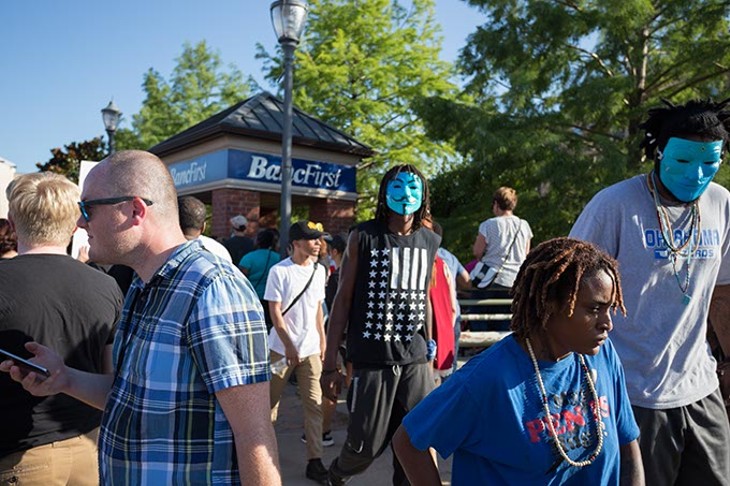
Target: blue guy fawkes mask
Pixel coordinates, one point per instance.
(404, 194)
(686, 167)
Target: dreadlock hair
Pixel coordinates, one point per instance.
(549, 280)
(698, 118)
(422, 217)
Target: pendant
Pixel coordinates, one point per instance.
(686, 299)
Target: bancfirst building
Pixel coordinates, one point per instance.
(232, 161)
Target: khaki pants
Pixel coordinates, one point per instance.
(308, 372)
(67, 462)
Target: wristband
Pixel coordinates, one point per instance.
(431, 350)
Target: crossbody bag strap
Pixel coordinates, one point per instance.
(509, 250)
(296, 299)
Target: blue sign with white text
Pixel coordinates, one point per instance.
(243, 165)
(208, 168)
(306, 173)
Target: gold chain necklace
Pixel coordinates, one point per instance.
(551, 427)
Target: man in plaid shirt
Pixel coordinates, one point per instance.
(188, 402)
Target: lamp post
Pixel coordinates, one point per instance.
(288, 18)
(111, 115)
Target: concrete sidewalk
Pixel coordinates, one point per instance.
(292, 452)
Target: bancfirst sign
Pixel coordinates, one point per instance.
(262, 168)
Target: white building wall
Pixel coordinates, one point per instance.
(7, 173)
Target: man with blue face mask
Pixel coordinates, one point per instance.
(669, 231)
(382, 301)
(404, 193)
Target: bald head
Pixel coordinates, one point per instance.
(132, 212)
(137, 173)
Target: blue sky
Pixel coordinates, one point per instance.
(62, 61)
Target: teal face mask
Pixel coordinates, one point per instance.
(686, 168)
(404, 194)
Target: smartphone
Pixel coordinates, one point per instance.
(24, 363)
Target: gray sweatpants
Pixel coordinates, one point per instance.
(686, 445)
(378, 400)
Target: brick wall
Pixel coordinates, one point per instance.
(336, 215)
(230, 202)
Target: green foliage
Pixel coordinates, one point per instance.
(558, 90)
(127, 139)
(198, 88)
(360, 68)
(67, 160)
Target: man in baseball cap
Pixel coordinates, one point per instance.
(238, 244)
(307, 230)
(295, 291)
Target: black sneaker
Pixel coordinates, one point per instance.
(316, 470)
(327, 440)
(333, 478)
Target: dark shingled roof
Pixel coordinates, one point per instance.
(262, 116)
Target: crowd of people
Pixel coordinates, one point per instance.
(176, 376)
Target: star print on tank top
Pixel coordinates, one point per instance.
(397, 285)
(388, 315)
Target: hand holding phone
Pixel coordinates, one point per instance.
(24, 363)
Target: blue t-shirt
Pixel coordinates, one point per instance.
(490, 416)
(258, 263)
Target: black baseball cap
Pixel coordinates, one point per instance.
(306, 230)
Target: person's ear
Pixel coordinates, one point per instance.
(139, 210)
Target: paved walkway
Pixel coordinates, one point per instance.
(292, 452)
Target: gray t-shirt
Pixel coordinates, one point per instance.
(499, 233)
(662, 341)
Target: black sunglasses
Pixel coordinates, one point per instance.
(85, 205)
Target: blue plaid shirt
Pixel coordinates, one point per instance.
(196, 328)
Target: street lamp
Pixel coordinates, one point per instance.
(111, 115)
(288, 18)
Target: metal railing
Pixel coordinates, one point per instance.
(482, 338)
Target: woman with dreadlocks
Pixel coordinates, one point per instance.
(547, 404)
(669, 230)
(382, 298)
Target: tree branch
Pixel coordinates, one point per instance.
(569, 4)
(660, 77)
(697, 80)
(595, 57)
(591, 130)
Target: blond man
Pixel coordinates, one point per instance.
(48, 297)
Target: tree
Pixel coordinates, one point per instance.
(360, 68)
(560, 88)
(66, 161)
(197, 89)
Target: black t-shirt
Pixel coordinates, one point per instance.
(69, 307)
(389, 302)
(238, 246)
